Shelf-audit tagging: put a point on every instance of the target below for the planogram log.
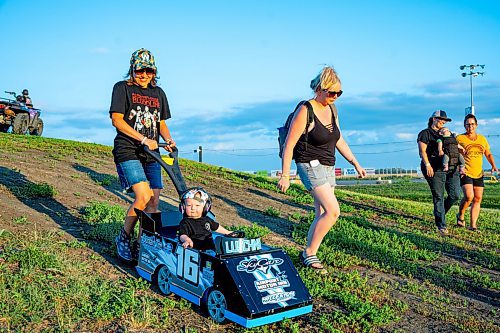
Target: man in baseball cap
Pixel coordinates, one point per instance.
(440, 114)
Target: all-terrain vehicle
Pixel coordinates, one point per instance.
(16, 115)
(241, 280)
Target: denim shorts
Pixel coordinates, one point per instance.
(134, 171)
(314, 176)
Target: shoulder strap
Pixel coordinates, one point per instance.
(310, 118)
(310, 113)
(335, 114)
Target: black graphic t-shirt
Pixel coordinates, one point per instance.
(430, 137)
(200, 231)
(142, 109)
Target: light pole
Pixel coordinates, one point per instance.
(471, 73)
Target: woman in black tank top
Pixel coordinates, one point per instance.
(314, 155)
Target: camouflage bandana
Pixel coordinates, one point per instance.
(142, 58)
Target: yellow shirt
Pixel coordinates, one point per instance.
(474, 151)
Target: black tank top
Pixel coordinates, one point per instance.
(320, 144)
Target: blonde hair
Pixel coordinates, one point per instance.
(326, 79)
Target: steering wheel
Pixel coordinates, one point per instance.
(236, 234)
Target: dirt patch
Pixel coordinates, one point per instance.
(79, 179)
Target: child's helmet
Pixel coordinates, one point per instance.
(190, 194)
(25, 92)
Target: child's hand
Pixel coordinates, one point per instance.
(187, 243)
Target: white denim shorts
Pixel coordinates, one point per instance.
(317, 175)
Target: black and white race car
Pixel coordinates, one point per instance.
(242, 280)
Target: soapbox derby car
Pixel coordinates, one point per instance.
(241, 280)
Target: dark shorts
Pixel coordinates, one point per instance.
(314, 176)
(476, 182)
(133, 172)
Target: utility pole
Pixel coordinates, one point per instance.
(200, 153)
(471, 73)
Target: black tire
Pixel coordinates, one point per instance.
(20, 124)
(4, 128)
(37, 128)
(163, 278)
(216, 305)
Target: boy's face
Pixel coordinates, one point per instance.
(445, 132)
(194, 207)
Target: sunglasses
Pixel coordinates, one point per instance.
(470, 125)
(148, 71)
(333, 93)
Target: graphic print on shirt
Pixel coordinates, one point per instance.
(146, 115)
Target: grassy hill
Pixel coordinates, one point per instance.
(61, 205)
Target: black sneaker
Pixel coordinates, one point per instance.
(123, 246)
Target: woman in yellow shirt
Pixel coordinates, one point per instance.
(475, 146)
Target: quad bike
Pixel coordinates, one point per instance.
(240, 280)
(22, 119)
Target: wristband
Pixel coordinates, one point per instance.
(144, 140)
(427, 164)
(285, 176)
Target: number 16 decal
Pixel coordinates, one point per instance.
(188, 264)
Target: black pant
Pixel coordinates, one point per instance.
(442, 180)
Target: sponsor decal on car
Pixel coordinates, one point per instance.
(242, 245)
(278, 297)
(261, 264)
(151, 241)
(277, 282)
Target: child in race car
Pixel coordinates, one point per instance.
(196, 228)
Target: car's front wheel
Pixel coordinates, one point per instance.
(216, 305)
(164, 277)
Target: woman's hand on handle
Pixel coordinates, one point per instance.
(170, 145)
(152, 144)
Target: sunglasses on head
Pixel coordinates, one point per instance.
(333, 93)
(148, 71)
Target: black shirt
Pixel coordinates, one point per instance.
(320, 144)
(143, 108)
(430, 137)
(200, 231)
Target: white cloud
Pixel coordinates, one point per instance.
(405, 136)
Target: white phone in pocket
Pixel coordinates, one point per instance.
(314, 163)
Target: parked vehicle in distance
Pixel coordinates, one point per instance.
(490, 179)
(15, 115)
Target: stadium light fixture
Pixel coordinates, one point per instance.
(472, 73)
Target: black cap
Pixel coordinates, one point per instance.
(440, 114)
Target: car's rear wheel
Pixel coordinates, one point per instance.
(216, 305)
(37, 128)
(20, 125)
(164, 277)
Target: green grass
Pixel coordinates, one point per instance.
(404, 189)
(45, 286)
(384, 232)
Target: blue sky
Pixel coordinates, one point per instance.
(233, 70)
